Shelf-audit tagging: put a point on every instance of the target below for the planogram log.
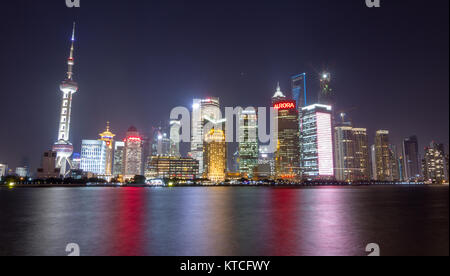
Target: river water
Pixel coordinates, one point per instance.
(225, 221)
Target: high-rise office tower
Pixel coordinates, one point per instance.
(362, 156)
(434, 164)
(161, 142)
(248, 142)
(93, 157)
(373, 159)
(317, 159)
(108, 137)
(395, 169)
(215, 155)
(287, 158)
(63, 147)
(383, 156)
(175, 127)
(201, 111)
(132, 156)
(119, 148)
(411, 158)
(298, 83)
(344, 152)
(326, 96)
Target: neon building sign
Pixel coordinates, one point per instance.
(285, 105)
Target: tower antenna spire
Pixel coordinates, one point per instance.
(70, 61)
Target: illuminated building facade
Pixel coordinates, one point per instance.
(202, 109)
(76, 161)
(3, 170)
(316, 139)
(215, 155)
(383, 156)
(373, 159)
(287, 161)
(434, 164)
(161, 142)
(171, 167)
(22, 172)
(248, 142)
(298, 83)
(108, 137)
(395, 168)
(132, 155)
(363, 170)
(411, 158)
(326, 96)
(68, 87)
(119, 149)
(344, 152)
(175, 128)
(93, 156)
(266, 163)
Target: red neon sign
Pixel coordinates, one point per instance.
(285, 105)
(134, 138)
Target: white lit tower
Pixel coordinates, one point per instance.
(68, 87)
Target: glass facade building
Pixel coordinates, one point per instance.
(93, 156)
(248, 142)
(316, 140)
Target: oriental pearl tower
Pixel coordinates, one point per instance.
(68, 87)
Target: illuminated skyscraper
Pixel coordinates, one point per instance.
(93, 157)
(108, 137)
(132, 156)
(119, 148)
(344, 151)
(299, 90)
(363, 170)
(201, 110)
(68, 87)
(411, 158)
(326, 96)
(248, 142)
(435, 164)
(373, 160)
(383, 156)
(317, 160)
(395, 168)
(215, 154)
(161, 142)
(175, 127)
(287, 159)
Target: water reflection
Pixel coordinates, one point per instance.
(223, 221)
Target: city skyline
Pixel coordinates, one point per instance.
(233, 87)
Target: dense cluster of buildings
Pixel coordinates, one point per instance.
(313, 143)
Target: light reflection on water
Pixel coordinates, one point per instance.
(224, 221)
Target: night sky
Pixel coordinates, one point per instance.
(136, 60)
